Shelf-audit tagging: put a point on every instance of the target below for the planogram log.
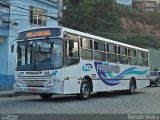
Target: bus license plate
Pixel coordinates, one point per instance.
(33, 90)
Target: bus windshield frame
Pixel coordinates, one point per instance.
(40, 54)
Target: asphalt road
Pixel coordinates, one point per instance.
(146, 100)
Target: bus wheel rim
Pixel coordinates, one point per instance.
(85, 90)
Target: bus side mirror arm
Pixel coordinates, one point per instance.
(12, 45)
(12, 48)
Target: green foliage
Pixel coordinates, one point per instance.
(155, 69)
(92, 16)
(103, 18)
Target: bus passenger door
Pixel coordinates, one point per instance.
(71, 64)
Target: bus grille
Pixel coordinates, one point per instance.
(34, 81)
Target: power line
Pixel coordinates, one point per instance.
(20, 11)
(112, 34)
(51, 12)
(81, 26)
(52, 17)
(94, 20)
(126, 34)
(8, 21)
(20, 15)
(91, 17)
(108, 23)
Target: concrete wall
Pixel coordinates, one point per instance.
(154, 56)
(6, 80)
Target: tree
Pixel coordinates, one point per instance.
(155, 69)
(91, 16)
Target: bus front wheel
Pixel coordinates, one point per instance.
(84, 90)
(45, 96)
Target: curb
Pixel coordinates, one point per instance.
(9, 95)
(13, 94)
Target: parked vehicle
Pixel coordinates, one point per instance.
(154, 78)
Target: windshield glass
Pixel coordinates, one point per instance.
(39, 55)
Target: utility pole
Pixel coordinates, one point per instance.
(60, 12)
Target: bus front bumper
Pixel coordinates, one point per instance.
(38, 90)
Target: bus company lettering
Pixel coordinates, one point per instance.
(38, 34)
(108, 68)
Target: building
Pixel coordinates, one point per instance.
(16, 16)
(146, 5)
(124, 2)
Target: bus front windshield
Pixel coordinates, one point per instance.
(39, 55)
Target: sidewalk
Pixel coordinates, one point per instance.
(10, 93)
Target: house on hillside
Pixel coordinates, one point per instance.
(124, 2)
(146, 5)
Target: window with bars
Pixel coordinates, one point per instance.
(38, 16)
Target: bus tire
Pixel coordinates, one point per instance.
(150, 84)
(156, 83)
(132, 87)
(45, 96)
(85, 90)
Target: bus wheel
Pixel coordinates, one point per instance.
(45, 96)
(156, 84)
(131, 87)
(85, 90)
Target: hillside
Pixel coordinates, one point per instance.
(107, 19)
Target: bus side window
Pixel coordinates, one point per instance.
(140, 58)
(86, 48)
(99, 51)
(72, 49)
(111, 53)
(146, 59)
(122, 55)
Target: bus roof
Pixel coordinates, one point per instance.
(101, 38)
(92, 37)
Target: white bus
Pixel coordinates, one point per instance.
(59, 60)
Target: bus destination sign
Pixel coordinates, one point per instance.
(38, 33)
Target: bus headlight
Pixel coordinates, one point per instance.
(19, 83)
(50, 83)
